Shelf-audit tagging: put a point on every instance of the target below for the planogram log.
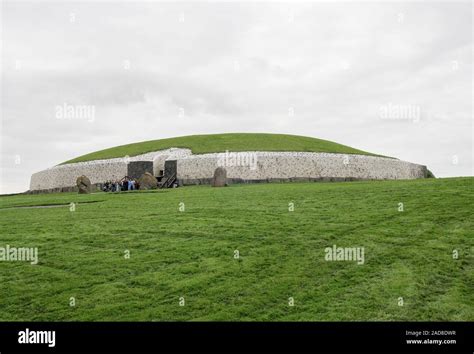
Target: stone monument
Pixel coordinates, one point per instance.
(220, 177)
(84, 185)
(148, 181)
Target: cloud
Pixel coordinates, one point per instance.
(235, 67)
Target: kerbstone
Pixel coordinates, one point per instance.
(83, 184)
(148, 181)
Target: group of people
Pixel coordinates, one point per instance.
(125, 184)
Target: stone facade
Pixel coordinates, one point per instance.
(137, 168)
(98, 171)
(252, 167)
(306, 165)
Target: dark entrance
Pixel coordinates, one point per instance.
(171, 172)
(171, 168)
(136, 169)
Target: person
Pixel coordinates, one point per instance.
(131, 185)
(125, 184)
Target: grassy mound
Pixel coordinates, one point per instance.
(202, 144)
(190, 253)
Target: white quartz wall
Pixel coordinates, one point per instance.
(66, 175)
(253, 166)
(98, 171)
(299, 164)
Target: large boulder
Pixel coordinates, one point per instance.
(148, 181)
(220, 177)
(84, 185)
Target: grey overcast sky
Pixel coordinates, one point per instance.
(394, 78)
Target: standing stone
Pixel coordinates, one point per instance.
(84, 185)
(148, 181)
(220, 177)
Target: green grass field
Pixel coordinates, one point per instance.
(201, 144)
(190, 253)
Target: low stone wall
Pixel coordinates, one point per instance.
(302, 165)
(203, 181)
(264, 167)
(75, 189)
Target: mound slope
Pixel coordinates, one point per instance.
(203, 144)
